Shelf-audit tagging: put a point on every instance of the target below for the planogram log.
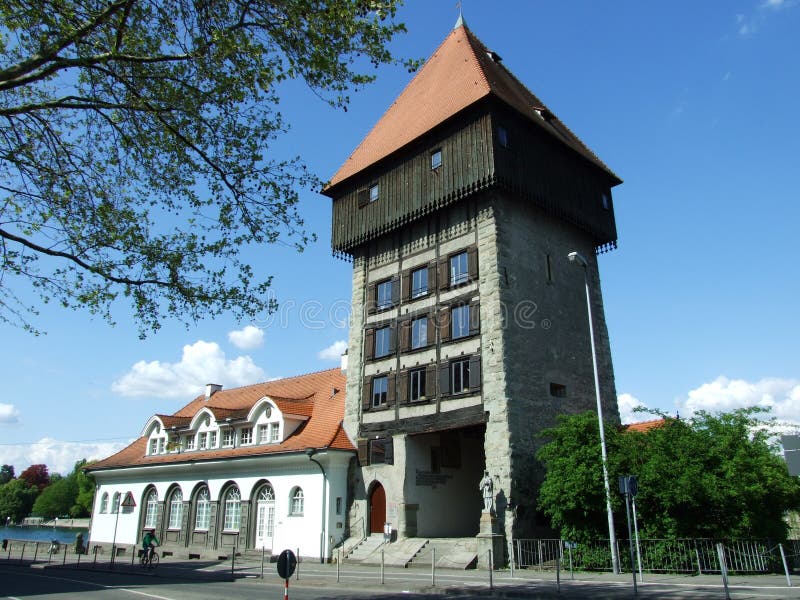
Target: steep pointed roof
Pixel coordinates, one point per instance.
(459, 73)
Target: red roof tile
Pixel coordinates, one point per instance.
(645, 426)
(318, 396)
(459, 73)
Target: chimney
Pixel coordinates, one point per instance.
(211, 389)
(344, 363)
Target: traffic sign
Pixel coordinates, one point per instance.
(128, 501)
(287, 562)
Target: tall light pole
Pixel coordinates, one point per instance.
(576, 258)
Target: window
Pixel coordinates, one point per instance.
(275, 433)
(382, 341)
(151, 510)
(338, 505)
(296, 502)
(115, 502)
(212, 439)
(558, 390)
(227, 438)
(161, 445)
(384, 295)
(374, 192)
(246, 435)
(153, 446)
(459, 376)
(233, 510)
(459, 321)
(459, 272)
(381, 451)
(380, 388)
(104, 503)
(502, 136)
(548, 267)
(202, 517)
(419, 332)
(606, 200)
(202, 441)
(176, 510)
(190, 442)
(417, 385)
(419, 282)
(436, 159)
(263, 434)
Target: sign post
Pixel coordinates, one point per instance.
(127, 502)
(287, 562)
(629, 486)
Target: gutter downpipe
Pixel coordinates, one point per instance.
(310, 453)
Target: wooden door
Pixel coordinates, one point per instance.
(377, 509)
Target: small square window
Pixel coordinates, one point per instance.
(212, 439)
(275, 433)
(374, 192)
(502, 136)
(227, 438)
(606, 200)
(247, 435)
(381, 451)
(154, 446)
(202, 441)
(338, 505)
(380, 389)
(263, 434)
(190, 442)
(419, 282)
(558, 390)
(436, 159)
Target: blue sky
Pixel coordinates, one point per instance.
(693, 104)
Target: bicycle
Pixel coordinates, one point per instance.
(149, 558)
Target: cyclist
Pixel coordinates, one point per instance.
(148, 544)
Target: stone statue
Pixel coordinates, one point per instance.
(487, 490)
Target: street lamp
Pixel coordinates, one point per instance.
(576, 258)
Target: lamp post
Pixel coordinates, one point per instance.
(578, 259)
(310, 452)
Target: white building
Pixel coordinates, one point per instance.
(262, 466)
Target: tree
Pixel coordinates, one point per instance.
(135, 145)
(712, 476)
(84, 501)
(6, 473)
(16, 500)
(36, 476)
(57, 499)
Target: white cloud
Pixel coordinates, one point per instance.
(59, 456)
(334, 351)
(8, 413)
(627, 403)
(201, 363)
(780, 396)
(249, 338)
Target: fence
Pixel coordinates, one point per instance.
(30, 551)
(658, 555)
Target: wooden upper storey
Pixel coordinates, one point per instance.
(490, 131)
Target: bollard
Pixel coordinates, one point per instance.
(511, 557)
(558, 571)
(95, 556)
(433, 567)
(263, 554)
(35, 551)
(22, 554)
(338, 564)
(723, 569)
(9, 550)
(699, 564)
(785, 567)
(63, 562)
(297, 572)
(491, 568)
(233, 561)
(382, 566)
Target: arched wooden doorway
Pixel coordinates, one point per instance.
(377, 508)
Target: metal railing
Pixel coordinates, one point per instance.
(658, 555)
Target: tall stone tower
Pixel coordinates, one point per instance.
(469, 331)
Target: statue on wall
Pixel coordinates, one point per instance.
(487, 490)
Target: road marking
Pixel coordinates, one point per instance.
(99, 585)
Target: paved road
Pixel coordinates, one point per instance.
(189, 581)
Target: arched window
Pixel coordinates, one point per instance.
(176, 510)
(151, 510)
(115, 502)
(202, 516)
(233, 509)
(296, 504)
(266, 494)
(104, 503)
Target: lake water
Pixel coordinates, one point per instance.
(65, 535)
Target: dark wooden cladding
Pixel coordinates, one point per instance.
(541, 170)
(536, 168)
(463, 417)
(410, 189)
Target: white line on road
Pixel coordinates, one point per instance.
(99, 585)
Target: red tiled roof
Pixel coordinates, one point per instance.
(459, 73)
(318, 396)
(645, 426)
